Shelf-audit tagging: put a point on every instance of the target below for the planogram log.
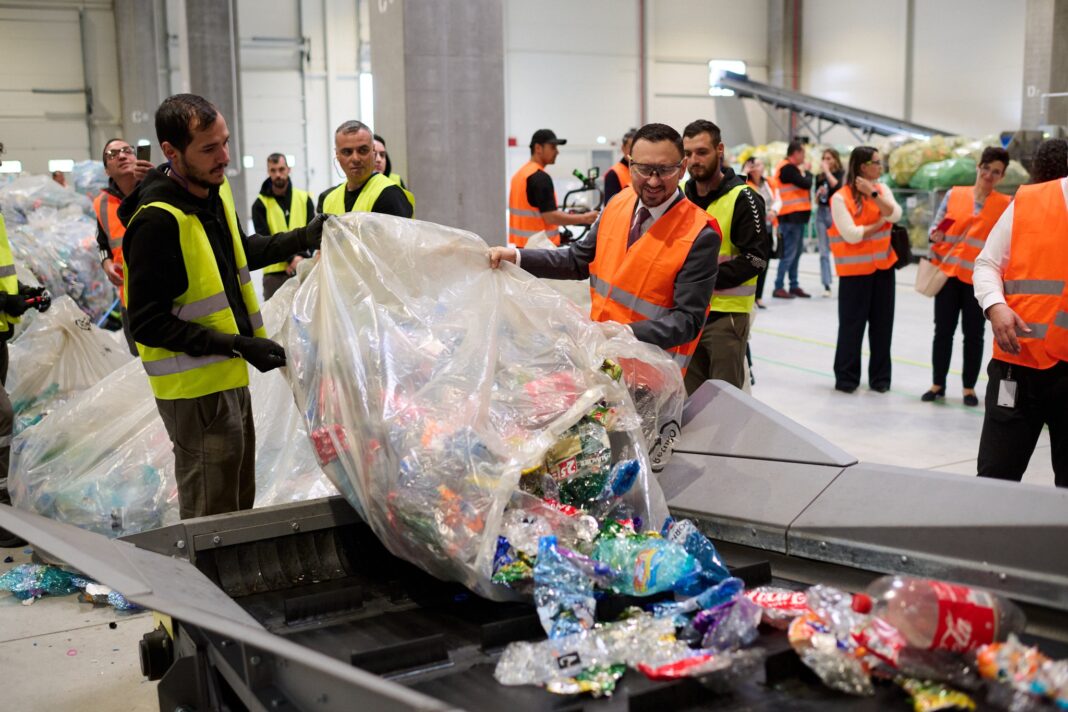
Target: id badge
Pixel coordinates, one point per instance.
(1007, 393)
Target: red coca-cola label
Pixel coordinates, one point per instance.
(882, 640)
(966, 618)
(794, 602)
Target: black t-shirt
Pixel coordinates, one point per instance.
(392, 201)
(540, 191)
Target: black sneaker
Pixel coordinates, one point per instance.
(880, 389)
(971, 399)
(931, 396)
(844, 389)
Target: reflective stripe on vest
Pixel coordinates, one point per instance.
(334, 204)
(794, 199)
(174, 375)
(635, 283)
(873, 252)
(956, 254)
(9, 283)
(1034, 277)
(524, 219)
(739, 299)
(106, 207)
(276, 219)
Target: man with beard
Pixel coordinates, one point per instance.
(124, 172)
(193, 310)
(651, 255)
(365, 190)
(743, 253)
(280, 208)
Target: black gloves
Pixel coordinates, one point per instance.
(264, 354)
(14, 304)
(37, 297)
(314, 231)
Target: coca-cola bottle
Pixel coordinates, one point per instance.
(935, 615)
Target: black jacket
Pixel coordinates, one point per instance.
(156, 272)
(748, 230)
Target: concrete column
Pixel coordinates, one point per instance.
(1045, 64)
(784, 60)
(439, 103)
(214, 73)
(142, 47)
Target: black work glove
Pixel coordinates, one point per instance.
(264, 354)
(14, 304)
(313, 232)
(37, 297)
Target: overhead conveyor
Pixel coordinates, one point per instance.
(820, 115)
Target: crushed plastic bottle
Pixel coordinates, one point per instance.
(685, 533)
(563, 592)
(640, 638)
(711, 597)
(935, 615)
(646, 564)
(729, 626)
(1025, 674)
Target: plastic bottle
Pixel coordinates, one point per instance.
(645, 564)
(935, 615)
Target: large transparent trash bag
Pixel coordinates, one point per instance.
(577, 290)
(104, 462)
(52, 231)
(430, 383)
(61, 353)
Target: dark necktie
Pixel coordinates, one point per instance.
(636, 229)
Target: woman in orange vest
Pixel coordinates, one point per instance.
(958, 235)
(1021, 283)
(863, 213)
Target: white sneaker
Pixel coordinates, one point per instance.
(826, 293)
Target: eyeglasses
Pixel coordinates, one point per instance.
(648, 170)
(873, 163)
(116, 152)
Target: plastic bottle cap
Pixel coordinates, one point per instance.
(862, 603)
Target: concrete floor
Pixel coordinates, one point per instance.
(65, 655)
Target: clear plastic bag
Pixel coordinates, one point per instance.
(430, 383)
(52, 231)
(58, 355)
(104, 462)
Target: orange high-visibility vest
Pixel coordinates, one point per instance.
(871, 253)
(629, 285)
(622, 171)
(966, 237)
(1036, 275)
(794, 199)
(524, 219)
(106, 206)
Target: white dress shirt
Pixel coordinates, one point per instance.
(991, 262)
(846, 223)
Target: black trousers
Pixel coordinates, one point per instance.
(1010, 434)
(864, 302)
(957, 301)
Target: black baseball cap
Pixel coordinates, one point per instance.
(546, 136)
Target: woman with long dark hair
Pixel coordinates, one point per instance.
(862, 214)
(827, 184)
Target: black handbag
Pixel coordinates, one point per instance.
(899, 240)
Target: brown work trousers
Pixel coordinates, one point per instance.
(720, 354)
(214, 451)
